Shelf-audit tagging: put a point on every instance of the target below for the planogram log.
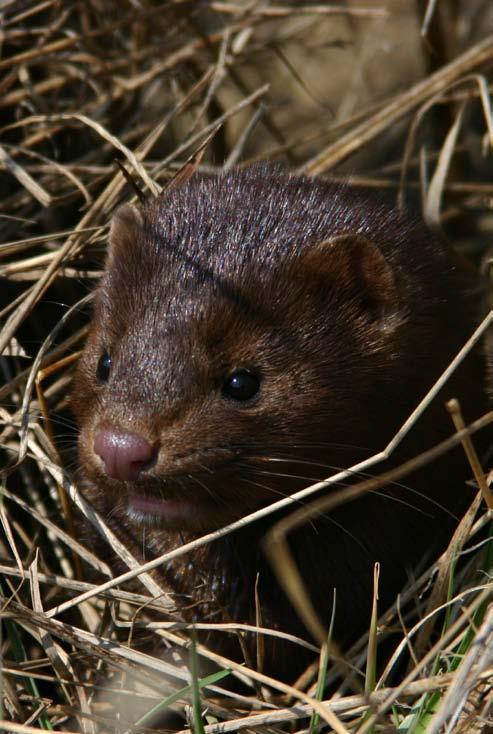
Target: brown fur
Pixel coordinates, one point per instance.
(348, 311)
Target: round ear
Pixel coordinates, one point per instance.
(126, 230)
(354, 264)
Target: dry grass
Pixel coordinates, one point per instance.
(393, 94)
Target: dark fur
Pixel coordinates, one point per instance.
(242, 270)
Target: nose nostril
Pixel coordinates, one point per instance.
(140, 466)
(124, 454)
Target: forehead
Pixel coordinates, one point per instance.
(222, 224)
(184, 304)
(172, 297)
(219, 243)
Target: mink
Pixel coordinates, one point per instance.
(255, 331)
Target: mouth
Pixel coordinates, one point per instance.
(163, 512)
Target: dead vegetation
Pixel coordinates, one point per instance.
(390, 93)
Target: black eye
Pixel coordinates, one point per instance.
(241, 385)
(104, 367)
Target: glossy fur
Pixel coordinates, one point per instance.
(347, 312)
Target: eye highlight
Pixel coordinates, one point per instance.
(104, 367)
(241, 385)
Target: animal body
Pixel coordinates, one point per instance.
(253, 333)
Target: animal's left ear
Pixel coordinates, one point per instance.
(355, 265)
(125, 232)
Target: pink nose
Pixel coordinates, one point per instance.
(124, 454)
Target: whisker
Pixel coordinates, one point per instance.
(356, 474)
(285, 475)
(62, 420)
(308, 445)
(204, 486)
(400, 501)
(206, 468)
(365, 475)
(311, 522)
(277, 492)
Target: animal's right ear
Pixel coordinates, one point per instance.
(126, 229)
(355, 264)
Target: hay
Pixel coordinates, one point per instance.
(370, 91)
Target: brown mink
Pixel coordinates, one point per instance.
(253, 332)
